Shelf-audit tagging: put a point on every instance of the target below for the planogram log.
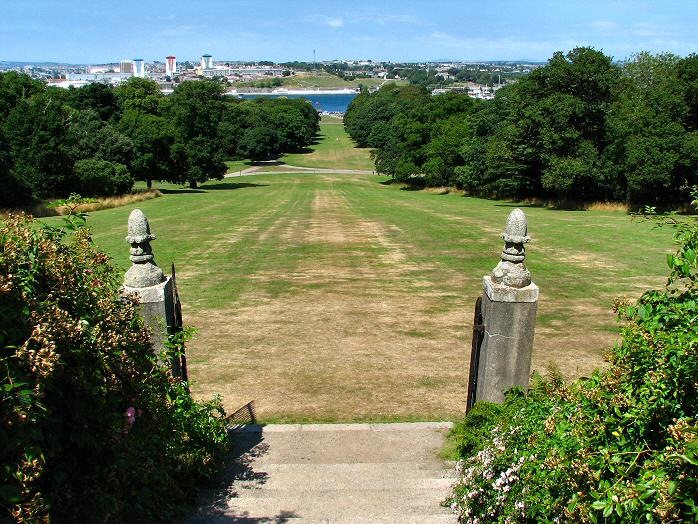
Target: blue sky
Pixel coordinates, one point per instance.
(98, 31)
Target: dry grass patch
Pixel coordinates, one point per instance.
(42, 209)
(338, 340)
(557, 203)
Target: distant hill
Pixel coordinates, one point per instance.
(8, 64)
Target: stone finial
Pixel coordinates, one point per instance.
(511, 270)
(143, 272)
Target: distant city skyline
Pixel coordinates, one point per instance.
(408, 30)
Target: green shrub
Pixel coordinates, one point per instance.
(470, 434)
(621, 446)
(92, 429)
(102, 177)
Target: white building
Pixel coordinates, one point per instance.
(78, 79)
(138, 68)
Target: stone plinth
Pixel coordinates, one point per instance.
(156, 306)
(509, 316)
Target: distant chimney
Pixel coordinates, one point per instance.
(170, 66)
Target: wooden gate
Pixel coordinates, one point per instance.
(478, 335)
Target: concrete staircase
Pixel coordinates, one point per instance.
(333, 473)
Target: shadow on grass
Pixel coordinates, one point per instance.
(266, 163)
(232, 185)
(550, 207)
(178, 191)
(303, 151)
(213, 187)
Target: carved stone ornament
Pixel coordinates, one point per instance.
(511, 270)
(143, 272)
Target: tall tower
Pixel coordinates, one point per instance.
(206, 62)
(126, 66)
(138, 68)
(170, 66)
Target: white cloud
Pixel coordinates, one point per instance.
(371, 18)
(383, 19)
(331, 21)
(334, 22)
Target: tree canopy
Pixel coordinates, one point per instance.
(53, 140)
(579, 128)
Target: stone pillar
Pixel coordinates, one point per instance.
(147, 281)
(509, 307)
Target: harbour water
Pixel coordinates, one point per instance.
(332, 103)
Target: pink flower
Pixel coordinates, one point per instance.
(131, 415)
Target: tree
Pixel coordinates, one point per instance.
(558, 114)
(152, 137)
(258, 143)
(367, 109)
(198, 160)
(15, 87)
(102, 178)
(196, 110)
(13, 192)
(140, 94)
(94, 138)
(294, 131)
(687, 73)
(99, 98)
(443, 150)
(234, 120)
(37, 131)
(647, 126)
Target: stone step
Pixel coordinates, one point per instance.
(229, 518)
(344, 474)
(332, 447)
(336, 504)
(299, 483)
(378, 474)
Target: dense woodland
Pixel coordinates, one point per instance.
(97, 140)
(580, 128)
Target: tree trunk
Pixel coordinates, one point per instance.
(193, 184)
(149, 183)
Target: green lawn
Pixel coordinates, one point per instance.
(320, 80)
(333, 149)
(234, 166)
(337, 297)
(325, 80)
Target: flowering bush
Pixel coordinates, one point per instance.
(620, 446)
(92, 429)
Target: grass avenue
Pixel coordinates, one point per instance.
(343, 298)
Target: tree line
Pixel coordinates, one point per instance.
(98, 139)
(579, 128)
